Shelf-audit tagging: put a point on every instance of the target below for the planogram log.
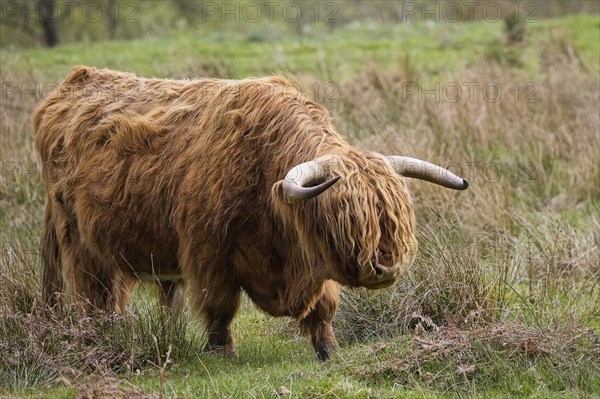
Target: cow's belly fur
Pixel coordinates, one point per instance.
(149, 254)
(153, 277)
(148, 251)
(259, 271)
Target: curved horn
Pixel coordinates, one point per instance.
(307, 180)
(416, 168)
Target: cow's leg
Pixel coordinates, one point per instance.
(123, 287)
(91, 282)
(318, 322)
(52, 276)
(219, 310)
(97, 285)
(171, 294)
(215, 295)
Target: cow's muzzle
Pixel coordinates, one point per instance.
(381, 276)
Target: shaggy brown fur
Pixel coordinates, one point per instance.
(152, 177)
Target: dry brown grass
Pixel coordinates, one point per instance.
(524, 240)
(42, 348)
(460, 355)
(103, 387)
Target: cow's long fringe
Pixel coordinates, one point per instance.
(369, 215)
(52, 278)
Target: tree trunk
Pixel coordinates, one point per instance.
(113, 17)
(48, 19)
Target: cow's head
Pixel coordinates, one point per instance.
(361, 230)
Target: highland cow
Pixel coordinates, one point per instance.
(221, 186)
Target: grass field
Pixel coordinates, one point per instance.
(503, 297)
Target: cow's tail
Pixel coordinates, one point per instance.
(52, 277)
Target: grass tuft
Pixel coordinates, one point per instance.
(40, 348)
(463, 356)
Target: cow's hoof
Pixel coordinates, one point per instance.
(323, 354)
(223, 350)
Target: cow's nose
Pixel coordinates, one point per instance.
(384, 276)
(382, 271)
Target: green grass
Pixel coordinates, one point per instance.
(336, 55)
(271, 361)
(503, 297)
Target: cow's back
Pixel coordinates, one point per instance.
(136, 165)
(112, 151)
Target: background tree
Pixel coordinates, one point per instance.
(48, 13)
